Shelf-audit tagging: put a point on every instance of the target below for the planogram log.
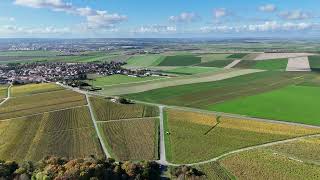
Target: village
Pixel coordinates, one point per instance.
(67, 73)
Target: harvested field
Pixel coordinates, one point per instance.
(189, 70)
(67, 133)
(203, 95)
(298, 64)
(144, 61)
(106, 110)
(217, 63)
(30, 89)
(197, 137)
(306, 150)
(237, 55)
(274, 64)
(28, 105)
(263, 164)
(197, 78)
(265, 56)
(293, 103)
(120, 79)
(180, 60)
(132, 139)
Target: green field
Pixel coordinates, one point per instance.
(214, 57)
(120, 79)
(274, 64)
(30, 89)
(196, 137)
(293, 103)
(180, 60)
(264, 164)
(131, 139)
(29, 53)
(189, 70)
(144, 60)
(202, 95)
(68, 133)
(34, 104)
(217, 63)
(314, 62)
(106, 110)
(237, 55)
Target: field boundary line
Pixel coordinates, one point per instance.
(8, 95)
(135, 82)
(129, 119)
(105, 150)
(246, 149)
(74, 107)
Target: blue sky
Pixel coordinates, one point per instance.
(159, 18)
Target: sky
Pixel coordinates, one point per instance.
(159, 18)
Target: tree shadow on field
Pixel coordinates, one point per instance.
(218, 122)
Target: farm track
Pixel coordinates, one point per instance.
(162, 148)
(8, 95)
(105, 150)
(247, 149)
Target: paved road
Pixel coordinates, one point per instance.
(105, 150)
(246, 149)
(8, 95)
(162, 149)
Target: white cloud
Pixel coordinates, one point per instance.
(268, 8)
(268, 26)
(185, 17)
(220, 12)
(155, 29)
(295, 15)
(94, 18)
(15, 30)
(7, 19)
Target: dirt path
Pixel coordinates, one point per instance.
(232, 64)
(8, 95)
(104, 148)
(162, 148)
(298, 64)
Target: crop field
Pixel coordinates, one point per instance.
(144, 61)
(3, 91)
(217, 63)
(264, 164)
(30, 89)
(106, 110)
(274, 64)
(306, 150)
(214, 57)
(120, 79)
(264, 56)
(215, 171)
(68, 133)
(293, 103)
(197, 137)
(237, 55)
(131, 139)
(202, 95)
(28, 105)
(28, 53)
(189, 70)
(180, 60)
(314, 62)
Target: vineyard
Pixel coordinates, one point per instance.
(196, 137)
(30, 89)
(68, 133)
(264, 164)
(106, 110)
(132, 139)
(28, 105)
(3, 91)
